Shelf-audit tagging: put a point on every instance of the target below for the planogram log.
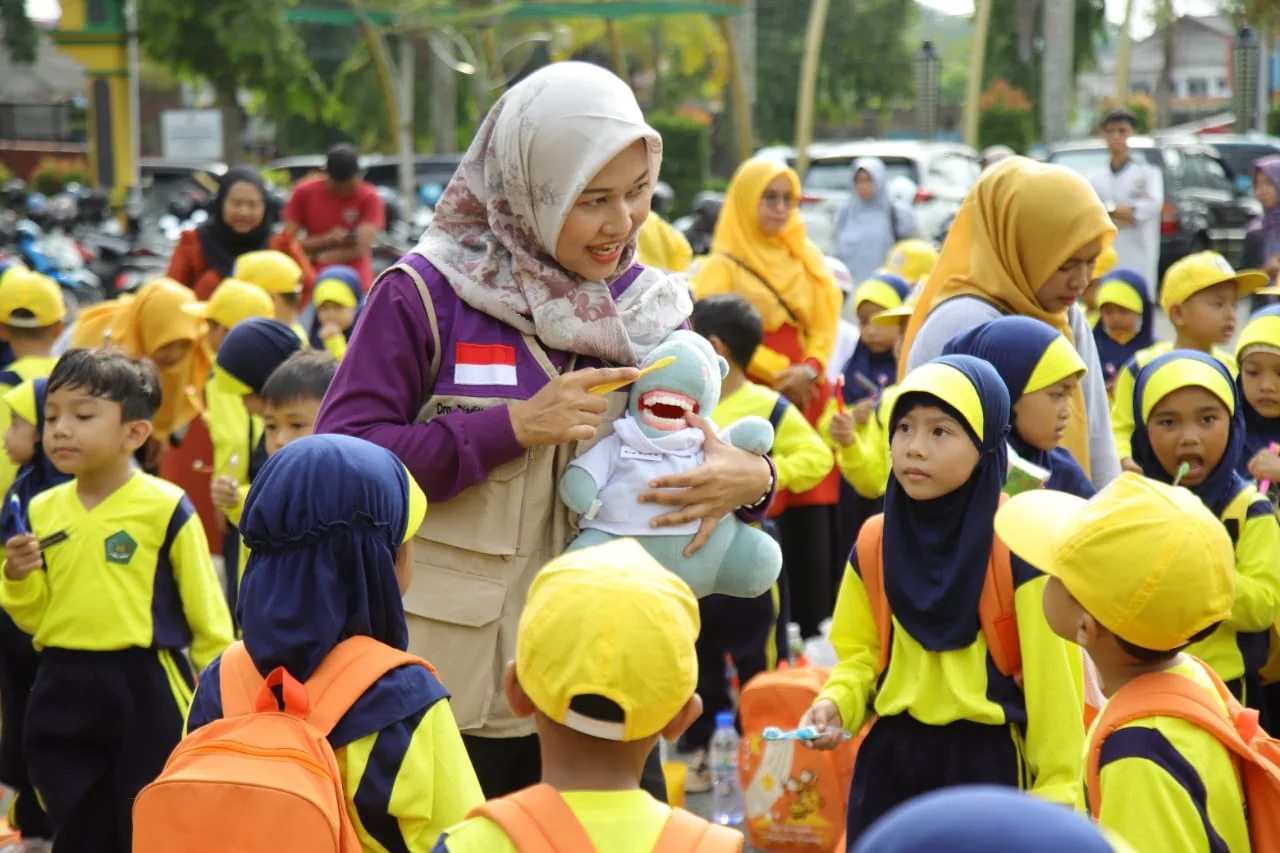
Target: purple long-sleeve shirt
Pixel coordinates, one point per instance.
(384, 380)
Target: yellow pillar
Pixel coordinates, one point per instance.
(95, 36)
(1122, 57)
(809, 81)
(742, 118)
(973, 96)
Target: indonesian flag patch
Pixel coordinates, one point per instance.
(484, 364)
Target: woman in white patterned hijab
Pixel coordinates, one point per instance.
(543, 213)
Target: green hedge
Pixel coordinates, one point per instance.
(686, 157)
(1006, 127)
(1273, 121)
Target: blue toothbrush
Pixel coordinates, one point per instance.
(773, 733)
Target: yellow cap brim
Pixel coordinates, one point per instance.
(1250, 281)
(22, 400)
(197, 309)
(893, 316)
(1273, 290)
(1027, 523)
(417, 507)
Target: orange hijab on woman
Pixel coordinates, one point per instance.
(792, 265)
(1021, 222)
(141, 326)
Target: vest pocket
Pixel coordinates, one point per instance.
(454, 620)
(484, 518)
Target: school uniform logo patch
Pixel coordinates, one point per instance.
(120, 548)
(484, 364)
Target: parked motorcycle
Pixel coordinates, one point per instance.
(700, 225)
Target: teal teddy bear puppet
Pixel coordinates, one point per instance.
(653, 439)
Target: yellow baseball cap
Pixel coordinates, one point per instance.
(1203, 270)
(1106, 262)
(274, 272)
(1149, 561)
(21, 399)
(333, 290)
(609, 622)
(912, 259)
(894, 316)
(37, 294)
(231, 303)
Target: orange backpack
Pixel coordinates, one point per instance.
(538, 820)
(261, 778)
(1164, 694)
(794, 798)
(996, 611)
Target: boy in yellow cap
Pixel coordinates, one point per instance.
(281, 277)
(1136, 575)
(1199, 296)
(31, 315)
(605, 665)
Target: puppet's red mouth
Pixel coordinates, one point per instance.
(666, 410)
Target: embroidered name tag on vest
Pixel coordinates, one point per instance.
(484, 364)
(631, 453)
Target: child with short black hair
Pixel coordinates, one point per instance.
(751, 631)
(1137, 575)
(292, 396)
(114, 581)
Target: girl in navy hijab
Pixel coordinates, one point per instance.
(1039, 367)
(330, 524)
(337, 300)
(945, 715)
(1258, 354)
(18, 657)
(1188, 415)
(1126, 320)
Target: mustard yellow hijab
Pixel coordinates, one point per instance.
(143, 324)
(793, 265)
(1021, 222)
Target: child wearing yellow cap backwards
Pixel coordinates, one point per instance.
(1199, 295)
(946, 716)
(1189, 419)
(604, 665)
(1137, 575)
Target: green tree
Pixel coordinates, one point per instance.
(1262, 15)
(20, 36)
(1017, 60)
(234, 45)
(866, 61)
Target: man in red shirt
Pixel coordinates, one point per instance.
(339, 215)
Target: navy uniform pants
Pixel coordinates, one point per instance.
(902, 758)
(99, 727)
(18, 661)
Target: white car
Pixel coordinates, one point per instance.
(942, 173)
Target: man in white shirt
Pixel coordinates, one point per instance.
(1133, 191)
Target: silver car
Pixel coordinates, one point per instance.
(940, 172)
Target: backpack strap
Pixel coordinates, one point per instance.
(997, 610)
(346, 673)
(777, 413)
(238, 681)
(537, 820)
(1165, 694)
(871, 569)
(688, 833)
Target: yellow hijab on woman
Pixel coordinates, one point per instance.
(141, 325)
(1021, 222)
(788, 260)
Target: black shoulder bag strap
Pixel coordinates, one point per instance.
(765, 282)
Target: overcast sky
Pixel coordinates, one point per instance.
(1115, 10)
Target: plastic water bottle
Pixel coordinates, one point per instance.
(726, 789)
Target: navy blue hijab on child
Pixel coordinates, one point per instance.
(27, 402)
(935, 552)
(1172, 372)
(1029, 356)
(337, 283)
(885, 291)
(1127, 289)
(324, 522)
(1260, 335)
